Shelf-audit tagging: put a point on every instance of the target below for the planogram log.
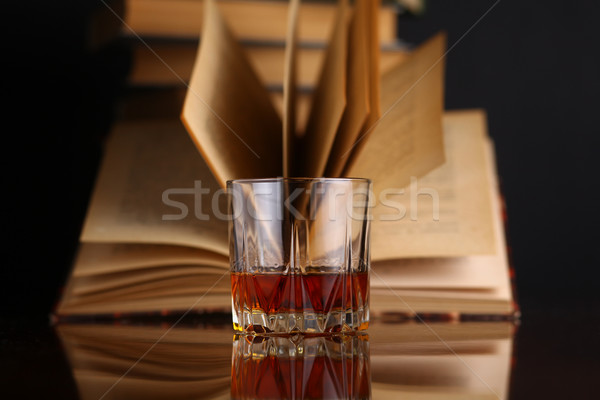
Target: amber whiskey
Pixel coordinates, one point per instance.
(321, 302)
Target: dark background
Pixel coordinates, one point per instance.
(534, 66)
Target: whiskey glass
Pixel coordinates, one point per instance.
(300, 254)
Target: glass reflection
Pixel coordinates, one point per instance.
(396, 360)
(148, 361)
(441, 360)
(301, 367)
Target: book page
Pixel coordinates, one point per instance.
(475, 272)
(407, 140)
(154, 187)
(328, 102)
(106, 258)
(160, 283)
(211, 301)
(409, 301)
(289, 89)
(302, 101)
(228, 111)
(175, 61)
(448, 213)
(357, 87)
(379, 62)
(470, 272)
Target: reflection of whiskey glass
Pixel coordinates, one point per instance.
(299, 252)
(301, 367)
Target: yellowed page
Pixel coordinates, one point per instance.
(113, 294)
(328, 103)
(407, 140)
(194, 276)
(474, 272)
(348, 154)
(106, 258)
(401, 291)
(482, 302)
(357, 87)
(269, 63)
(171, 64)
(209, 301)
(469, 272)
(302, 100)
(388, 59)
(450, 212)
(289, 89)
(165, 286)
(227, 110)
(149, 190)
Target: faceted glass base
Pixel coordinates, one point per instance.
(258, 322)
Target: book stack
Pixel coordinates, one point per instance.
(164, 37)
(244, 89)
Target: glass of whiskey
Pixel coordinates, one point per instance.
(300, 254)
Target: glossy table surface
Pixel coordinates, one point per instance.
(548, 354)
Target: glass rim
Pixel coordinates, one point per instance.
(296, 180)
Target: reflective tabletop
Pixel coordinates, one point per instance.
(202, 358)
(433, 360)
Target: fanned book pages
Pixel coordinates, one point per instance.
(155, 235)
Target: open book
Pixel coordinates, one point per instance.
(153, 241)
